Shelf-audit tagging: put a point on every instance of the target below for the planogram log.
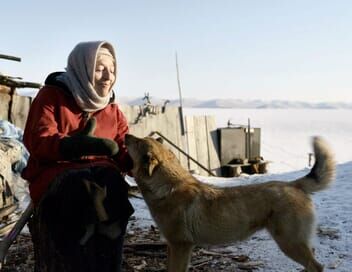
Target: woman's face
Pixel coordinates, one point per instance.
(104, 75)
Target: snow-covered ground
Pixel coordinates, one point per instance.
(286, 142)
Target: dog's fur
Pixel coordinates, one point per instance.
(191, 213)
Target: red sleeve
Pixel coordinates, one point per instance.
(41, 136)
(122, 158)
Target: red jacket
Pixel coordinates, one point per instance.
(53, 115)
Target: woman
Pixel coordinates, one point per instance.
(75, 136)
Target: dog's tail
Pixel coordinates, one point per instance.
(323, 171)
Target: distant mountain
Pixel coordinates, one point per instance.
(224, 103)
(238, 103)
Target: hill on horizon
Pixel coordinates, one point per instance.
(238, 103)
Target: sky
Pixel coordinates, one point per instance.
(240, 49)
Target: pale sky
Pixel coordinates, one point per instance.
(246, 49)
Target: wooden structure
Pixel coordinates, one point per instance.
(13, 107)
(199, 140)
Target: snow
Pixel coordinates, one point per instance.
(286, 142)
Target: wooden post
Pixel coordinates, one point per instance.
(310, 156)
(7, 57)
(180, 96)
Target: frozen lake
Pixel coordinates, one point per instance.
(286, 133)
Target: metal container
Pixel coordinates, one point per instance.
(239, 149)
(236, 144)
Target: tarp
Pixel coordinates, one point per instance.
(8, 131)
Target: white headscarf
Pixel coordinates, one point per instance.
(79, 76)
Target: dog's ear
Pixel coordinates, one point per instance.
(150, 162)
(160, 140)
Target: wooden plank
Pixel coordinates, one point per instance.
(201, 143)
(137, 129)
(213, 145)
(128, 112)
(19, 107)
(20, 110)
(5, 89)
(136, 112)
(4, 105)
(180, 141)
(183, 145)
(191, 142)
(155, 121)
(125, 110)
(171, 131)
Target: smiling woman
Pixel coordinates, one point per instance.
(75, 136)
(104, 75)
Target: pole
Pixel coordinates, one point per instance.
(9, 57)
(249, 140)
(180, 97)
(12, 235)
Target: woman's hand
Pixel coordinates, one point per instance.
(84, 143)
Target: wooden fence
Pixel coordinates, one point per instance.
(200, 140)
(13, 107)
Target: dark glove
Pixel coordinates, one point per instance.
(84, 143)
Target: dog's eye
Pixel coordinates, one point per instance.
(146, 158)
